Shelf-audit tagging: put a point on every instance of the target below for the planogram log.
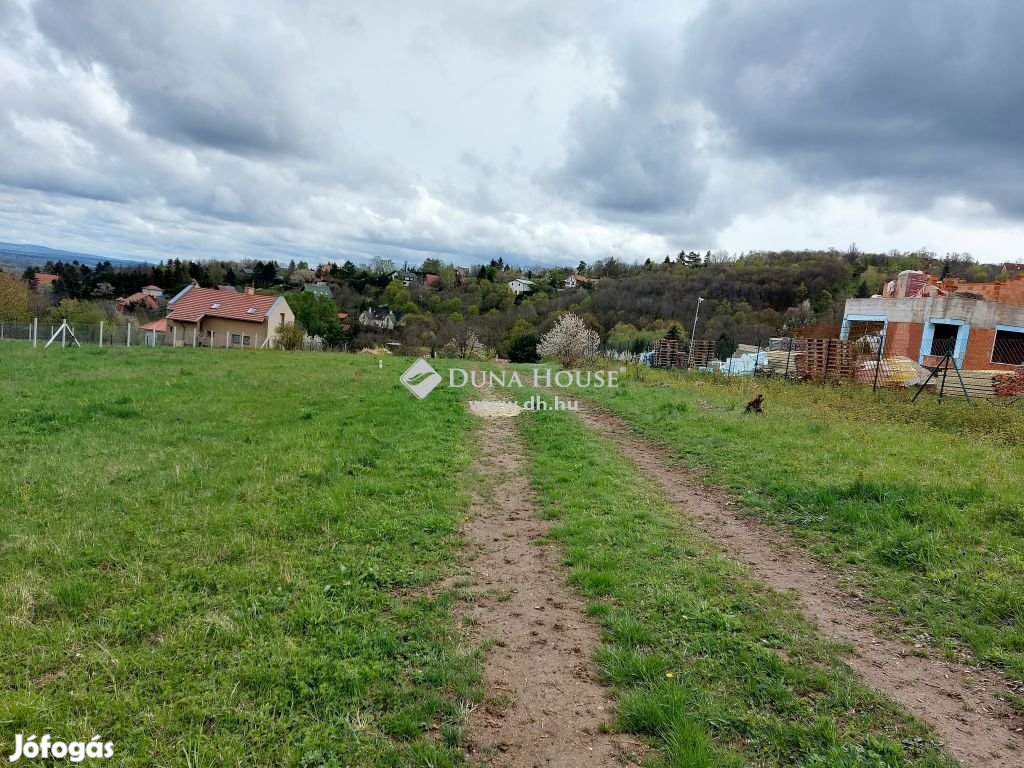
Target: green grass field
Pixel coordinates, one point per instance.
(219, 558)
(706, 664)
(226, 558)
(924, 502)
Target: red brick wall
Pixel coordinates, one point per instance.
(905, 339)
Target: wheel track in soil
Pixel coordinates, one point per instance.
(959, 701)
(543, 705)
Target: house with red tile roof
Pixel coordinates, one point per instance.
(138, 300)
(43, 281)
(575, 280)
(154, 332)
(211, 318)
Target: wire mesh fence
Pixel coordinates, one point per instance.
(41, 333)
(866, 357)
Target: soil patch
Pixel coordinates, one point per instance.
(543, 705)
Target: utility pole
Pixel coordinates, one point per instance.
(694, 333)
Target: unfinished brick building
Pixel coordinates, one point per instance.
(981, 325)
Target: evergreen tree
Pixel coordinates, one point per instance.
(725, 346)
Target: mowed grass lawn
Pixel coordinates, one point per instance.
(924, 501)
(220, 558)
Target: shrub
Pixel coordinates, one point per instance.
(290, 336)
(524, 349)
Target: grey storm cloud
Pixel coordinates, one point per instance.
(555, 131)
(914, 99)
(918, 97)
(230, 81)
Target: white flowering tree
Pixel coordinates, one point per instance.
(466, 345)
(570, 341)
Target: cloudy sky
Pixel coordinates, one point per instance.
(543, 132)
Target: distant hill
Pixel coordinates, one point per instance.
(19, 256)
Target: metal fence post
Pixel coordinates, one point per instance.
(35, 332)
(828, 354)
(878, 361)
(101, 333)
(128, 336)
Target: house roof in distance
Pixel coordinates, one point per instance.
(160, 326)
(139, 297)
(194, 303)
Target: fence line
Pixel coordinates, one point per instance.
(105, 334)
(864, 359)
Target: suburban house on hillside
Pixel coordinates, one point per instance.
(148, 298)
(431, 280)
(574, 280)
(1009, 268)
(208, 317)
(381, 318)
(319, 288)
(980, 325)
(404, 276)
(520, 286)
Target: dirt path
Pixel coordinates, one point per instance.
(957, 700)
(543, 706)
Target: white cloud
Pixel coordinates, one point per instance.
(541, 132)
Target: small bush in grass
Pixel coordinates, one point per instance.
(289, 336)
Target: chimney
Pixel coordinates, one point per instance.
(250, 289)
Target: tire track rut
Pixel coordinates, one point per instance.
(959, 701)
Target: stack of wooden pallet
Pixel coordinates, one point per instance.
(827, 359)
(668, 353)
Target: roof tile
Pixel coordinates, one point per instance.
(196, 302)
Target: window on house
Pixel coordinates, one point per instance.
(236, 338)
(246, 341)
(1009, 348)
(943, 339)
(282, 317)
